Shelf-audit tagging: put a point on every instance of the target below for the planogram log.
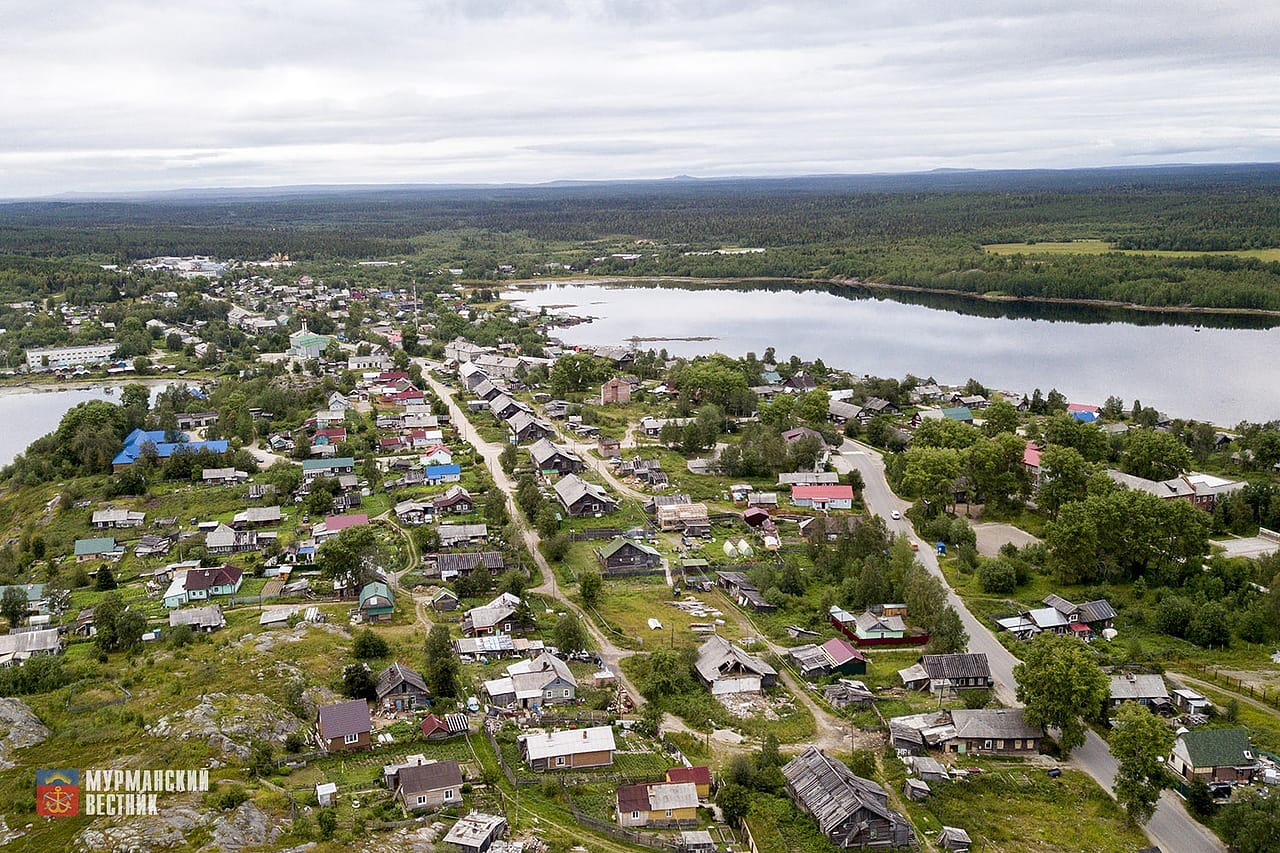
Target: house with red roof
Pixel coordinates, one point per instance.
(699, 776)
(822, 497)
(1031, 461)
(335, 524)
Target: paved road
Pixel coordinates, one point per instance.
(489, 451)
(1172, 829)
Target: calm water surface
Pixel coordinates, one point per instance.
(1183, 365)
(27, 415)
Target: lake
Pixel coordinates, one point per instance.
(1209, 367)
(30, 414)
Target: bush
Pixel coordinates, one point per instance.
(369, 646)
(997, 576)
(557, 547)
(228, 798)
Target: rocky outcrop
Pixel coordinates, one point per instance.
(178, 816)
(247, 826)
(19, 728)
(229, 722)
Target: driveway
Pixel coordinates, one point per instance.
(992, 535)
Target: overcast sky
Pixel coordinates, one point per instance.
(105, 96)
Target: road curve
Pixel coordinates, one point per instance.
(1171, 828)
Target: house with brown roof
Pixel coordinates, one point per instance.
(433, 785)
(345, 726)
(401, 689)
(699, 775)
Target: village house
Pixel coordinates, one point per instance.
(376, 602)
(344, 726)
(823, 497)
(852, 812)
(572, 749)
(195, 420)
(657, 804)
(455, 500)
(313, 468)
(257, 515)
(805, 478)
(333, 525)
(16, 647)
(848, 692)
(429, 785)
(836, 655)
(699, 775)
(199, 584)
(869, 627)
(1060, 616)
(1202, 490)
(117, 518)
(1213, 755)
(550, 458)
(451, 565)
(724, 668)
(414, 513)
(944, 674)
(522, 427)
(103, 548)
(580, 498)
(496, 617)
(997, 731)
(203, 620)
(224, 539)
(141, 443)
(453, 535)
(437, 474)
(545, 680)
(503, 407)
(622, 556)
(223, 476)
(1145, 689)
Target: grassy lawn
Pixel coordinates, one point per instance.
(1012, 808)
(629, 603)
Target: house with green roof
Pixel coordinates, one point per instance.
(312, 468)
(1213, 755)
(622, 556)
(959, 413)
(104, 548)
(376, 603)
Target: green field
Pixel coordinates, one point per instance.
(1102, 247)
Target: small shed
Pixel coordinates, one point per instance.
(954, 838)
(327, 793)
(916, 789)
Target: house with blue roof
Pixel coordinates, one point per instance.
(138, 440)
(436, 474)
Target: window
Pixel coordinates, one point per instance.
(351, 739)
(986, 744)
(567, 693)
(448, 793)
(559, 761)
(635, 815)
(422, 799)
(668, 812)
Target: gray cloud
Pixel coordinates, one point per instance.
(134, 94)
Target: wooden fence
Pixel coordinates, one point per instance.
(630, 836)
(1267, 697)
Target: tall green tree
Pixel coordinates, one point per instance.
(1139, 742)
(570, 635)
(442, 669)
(1155, 455)
(13, 605)
(1061, 685)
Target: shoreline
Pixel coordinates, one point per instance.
(23, 388)
(993, 298)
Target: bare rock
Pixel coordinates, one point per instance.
(229, 722)
(247, 826)
(19, 728)
(178, 816)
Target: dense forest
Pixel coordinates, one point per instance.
(909, 230)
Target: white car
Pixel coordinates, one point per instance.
(895, 515)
